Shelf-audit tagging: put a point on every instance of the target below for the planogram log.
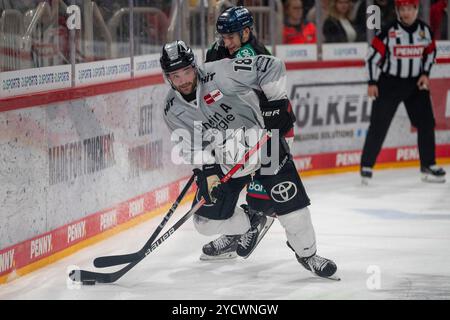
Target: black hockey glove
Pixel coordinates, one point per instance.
(277, 116)
(208, 183)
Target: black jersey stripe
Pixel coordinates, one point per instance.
(388, 55)
(398, 40)
(411, 61)
(372, 66)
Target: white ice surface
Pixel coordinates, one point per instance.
(397, 225)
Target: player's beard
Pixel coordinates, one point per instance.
(188, 87)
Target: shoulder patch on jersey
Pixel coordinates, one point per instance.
(422, 34)
(209, 77)
(263, 62)
(169, 104)
(245, 52)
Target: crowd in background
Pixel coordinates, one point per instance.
(439, 17)
(340, 21)
(345, 20)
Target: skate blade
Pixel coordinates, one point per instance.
(221, 257)
(432, 179)
(261, 235)
(333, 277)
(365, 181)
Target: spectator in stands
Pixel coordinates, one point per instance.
(311, 14)
(337, 26)
(252, 3)
(308, 5)
(388, 15)
(296, 30)
(439, 19)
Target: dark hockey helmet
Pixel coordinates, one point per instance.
(176, 55)
(234, 19)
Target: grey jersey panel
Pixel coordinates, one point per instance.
(225, 99)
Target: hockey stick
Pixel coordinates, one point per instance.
(108, 261)
(91, 278)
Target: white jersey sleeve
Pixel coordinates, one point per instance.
(263, 73)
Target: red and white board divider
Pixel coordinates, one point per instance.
(334, 161)
(15, 259)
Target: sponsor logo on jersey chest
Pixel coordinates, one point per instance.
(213, 96)
(395, 34)
(408, 51)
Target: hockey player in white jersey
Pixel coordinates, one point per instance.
(219, 99)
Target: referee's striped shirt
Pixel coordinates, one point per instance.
(400, 51)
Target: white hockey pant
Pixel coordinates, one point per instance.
(239, 223)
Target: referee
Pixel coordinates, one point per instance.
(399, 64)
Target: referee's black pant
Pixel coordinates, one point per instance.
(392, 91)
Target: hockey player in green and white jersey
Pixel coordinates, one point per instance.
(236, 40)
(235, 36)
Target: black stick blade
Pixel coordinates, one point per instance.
(108, 261)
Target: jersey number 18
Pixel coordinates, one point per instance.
(243, 64)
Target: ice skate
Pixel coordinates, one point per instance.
(260, 224)
(222, 248)
(433, 174)
(366, 175)
(319, 266)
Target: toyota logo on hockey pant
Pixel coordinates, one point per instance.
(283, 191)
